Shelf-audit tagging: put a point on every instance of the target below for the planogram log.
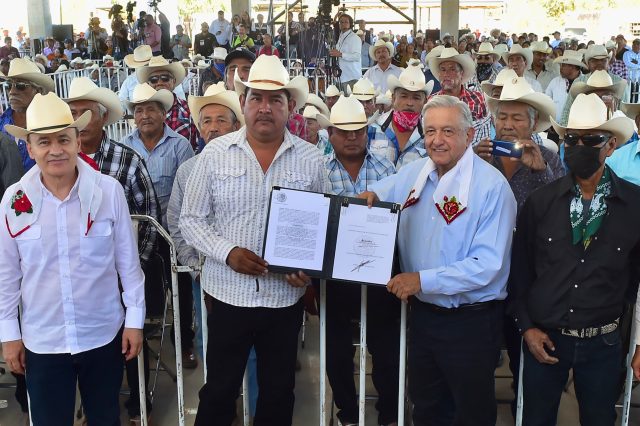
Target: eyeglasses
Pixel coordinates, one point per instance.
(164, 78)
(20, 86)
(571, 139)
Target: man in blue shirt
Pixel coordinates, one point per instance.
(454, 243)
(625, 161)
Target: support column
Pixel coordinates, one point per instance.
(237, 6)
(39, 18)
(450, 18)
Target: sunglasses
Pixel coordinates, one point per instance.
(20, 87)
(164, 78)
(571, 139)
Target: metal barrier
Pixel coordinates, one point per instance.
(118, 130)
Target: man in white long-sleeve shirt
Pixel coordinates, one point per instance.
(221, 29)
(348, 51)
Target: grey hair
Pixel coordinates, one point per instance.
(532, 113)
(446, 101)
(102, 110)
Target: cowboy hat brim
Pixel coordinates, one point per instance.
(298, 88)
(620, 127)
(175, 68)
(487, 88)
(324, 122)
(38, 78)
(317, 102)
(570, 61)
(394, 83)
(539, 101)
(163, 96)
(131, 62)
(630, 110)
(465, 61)
(22, 133)
(582, 87)
(526, 53)
(226, 98)
(106, 98)
(388, 45)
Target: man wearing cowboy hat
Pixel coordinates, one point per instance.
(539, 70)
(352, 169)
(571, 66)
(160, 74)
(487, 65)
(520, 59)
(600, 83)
(625, 161)
(214, 72)
(23, 81)
(66, 249)
(315, 134)
(454, 248)
(398, 135)
(574, 269)
(331, 95)
(364, 92)
(381, 52)
(234, 275)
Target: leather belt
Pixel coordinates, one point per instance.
(589, 332)
(480, 306)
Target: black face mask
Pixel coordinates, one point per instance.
(483, 71)
(583, 161)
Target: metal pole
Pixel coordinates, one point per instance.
(245, 397)
(363, 355)
(628, 385)
(142, 391)
(204, 327)
(323, 352)
(403, 362)
(286, 36)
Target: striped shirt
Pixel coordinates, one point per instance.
(373, 169)
(384, 143)
(228, 184)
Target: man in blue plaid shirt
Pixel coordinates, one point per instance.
(352, 168)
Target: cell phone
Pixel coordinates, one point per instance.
(506, 149)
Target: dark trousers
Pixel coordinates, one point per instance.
(232, 331)
(383, 340)
(452, 359)
(596, 367)
(52, 379)
(512, 339)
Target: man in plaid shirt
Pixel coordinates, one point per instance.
(160, 74)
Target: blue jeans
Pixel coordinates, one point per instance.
(596, 365)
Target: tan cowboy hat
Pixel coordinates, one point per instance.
(434, 53)
(486, 48)
(384, 99)
(541, 46)
(61, 68)
(518, 90)
(202, 64)
(87, 62)
(187, 62)
(268, 73)
(219, 53)
(77, 60)
(140, 57)
(83, 89)
(363, 90)
(380, 43)
(317, 102)
(24, 69)
(332, 91)
(571, 57)
(588, 112)
(144, 93)
(516, 49)
(311, 112)
(107, 58)
(596, 81)
(411, 78)
(347, 114)
(48, 114)
(610, 44)
(196, 58)
(158, 63)
(505, 74)
(449, 54)
(40, 67)
(596, 51)
(500, 49)
(41, 56)
(630, 110)
(215, 94)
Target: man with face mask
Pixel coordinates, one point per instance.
(574, 268)
(215, 72)
(487, 65)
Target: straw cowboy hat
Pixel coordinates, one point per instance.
(596, 51)
(449, 54)
(187, 62)
(384, 99)
(486, 48)
(516, 49)
(39, 65)
(500, 49)
(202, 64)
(541, 46)
(268, 73)
(588, 112)
(144, 93)
(412, 78)
(219, 53)
(24, 69)
(48, 114)
(41, 56)
(599, 80)
(196, 58)
(158, 63)
(140, 57)
(311, 112)
(610, 44)
(380, 43)
(505, 74)
(347, 114)
(434, 53)
(61, 68)
(518, 90)
(83, 89)
(107, 58)
(317, 102)
(76, 60)
(332, 91)
(571, 57)
(363, 90)
(215, 94)
(630, 110)
(87, 62)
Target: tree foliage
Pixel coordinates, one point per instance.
(557, 8)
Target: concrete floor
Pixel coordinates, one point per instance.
(307, 394)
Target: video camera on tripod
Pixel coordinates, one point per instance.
(324, 21)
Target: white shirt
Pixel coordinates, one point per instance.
(378, 77)
(130, 83)
(224, 27)
(533, 82)
(543, 78)
(350, 62)
(228, 184)
(67, 281)
(557, 90)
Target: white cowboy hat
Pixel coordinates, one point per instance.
(332, 91)
(219, 53)
(268, 73)
(571, 57)
(610, 44)
(505, 74)
(317, 102)
(516, 49)
(87, 62)
(61, 68)
(187, 62)
(596, 51)
(48, 114)
(40, 67)
(541, 46)
(434, 53)
(311, 112)
(93, 67)
(144, 93)
(630, 110)
(196, 58)
(107, 58)
(202, 64)
(380, 43)
(384, 99)
(158, 63)
(347, 114)
(449, 54)
(411, 78)
(363, 90)
(486, 48)
(588, 112)
(24, 69)
(500, 49)
(140, 57)
(83, 89)
(76, 60)
(41, 56)
(518, 90)
(215, 94)
(598, 80)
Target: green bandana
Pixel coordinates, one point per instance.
(583, 230)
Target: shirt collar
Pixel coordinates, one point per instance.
(168, 133)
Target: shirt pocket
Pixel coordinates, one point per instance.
(96, 247)
(379, 147)
(30, 245)
(296, 180)
(165, 179)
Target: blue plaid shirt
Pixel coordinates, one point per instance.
(384, 143)
(7, 118)
(373, 169)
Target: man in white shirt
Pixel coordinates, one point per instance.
(347, 50)
(539, 69)
(519, 59)
(558, 88)
(67, 240)
(221, 28)
(381, 52)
